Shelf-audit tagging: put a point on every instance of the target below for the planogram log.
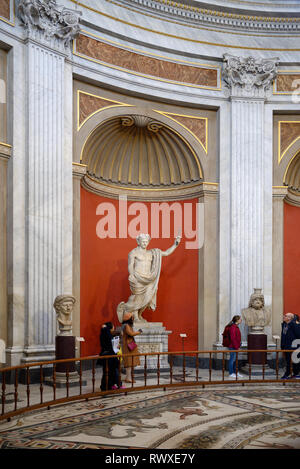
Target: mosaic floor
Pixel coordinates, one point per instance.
(224, 416)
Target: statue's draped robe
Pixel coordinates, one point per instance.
(143, 289)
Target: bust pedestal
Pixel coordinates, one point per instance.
(258, 360)
(153, 339)
(257, 342)
(64, 349)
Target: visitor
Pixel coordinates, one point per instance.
(290, 331)
(110, 376)
(234, 344)
(129, 347)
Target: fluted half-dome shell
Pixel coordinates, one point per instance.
(139, 151)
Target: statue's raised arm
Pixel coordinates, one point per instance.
(172, 248)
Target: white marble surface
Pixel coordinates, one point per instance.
(40, 169)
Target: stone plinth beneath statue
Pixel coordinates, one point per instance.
(153, 339)
(257, 342)
(257, 363)
(65, 372)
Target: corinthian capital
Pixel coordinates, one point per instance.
(249, 76)
(48, 17)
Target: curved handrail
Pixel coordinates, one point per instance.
(14, 371)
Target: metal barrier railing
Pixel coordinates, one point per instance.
(11, 386)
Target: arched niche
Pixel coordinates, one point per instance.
(145, 157)
(149, 157)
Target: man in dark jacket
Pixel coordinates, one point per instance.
(289, 330)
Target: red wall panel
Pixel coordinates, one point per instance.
(104, 280)
(291, 259)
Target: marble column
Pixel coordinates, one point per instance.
(5, 152)
(208, 282)
(279, 194)
(79, 170)
(248, 81)
(48, 162)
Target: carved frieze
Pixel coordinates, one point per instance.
(183, 12)
(52, 19)
(249, 76)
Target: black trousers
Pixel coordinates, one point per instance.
(295, 366)
(110, 374)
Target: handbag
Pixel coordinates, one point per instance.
(131, 346)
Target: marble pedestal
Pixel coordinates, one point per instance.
(258, 359)
(64, 349)
(153, 339)
(257, 342)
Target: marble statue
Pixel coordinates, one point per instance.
(257, 316)
(144, 270)
(63, 305)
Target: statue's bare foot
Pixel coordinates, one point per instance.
(141, 319)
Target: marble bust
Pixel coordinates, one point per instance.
(144, 268)
(257, 316)
(63, 305)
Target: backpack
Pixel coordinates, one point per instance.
(226, 337)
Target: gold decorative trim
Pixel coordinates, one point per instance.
(287, 168)
(167, 114)
(216, 12)
(146, 53)
(170, 193)
(281, 155)
(184, 38)
(161, 189)
(284, 72)
(5, 144)
(118, 104)
(152, 77)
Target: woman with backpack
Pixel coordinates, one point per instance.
(110, 375)
(232, 338)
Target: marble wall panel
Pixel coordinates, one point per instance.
(197, 125)
(289, 132)
(145, 65)
(284, 83)
(5, 8)
(88, 104)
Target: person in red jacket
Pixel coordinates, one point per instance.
(235, 343)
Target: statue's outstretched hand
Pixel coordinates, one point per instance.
(177, 240)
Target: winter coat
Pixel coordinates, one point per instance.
(289, 332)
(235, 337)
(127, 337)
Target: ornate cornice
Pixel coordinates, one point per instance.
(249, 77)
(194, 14)
(51, 19)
